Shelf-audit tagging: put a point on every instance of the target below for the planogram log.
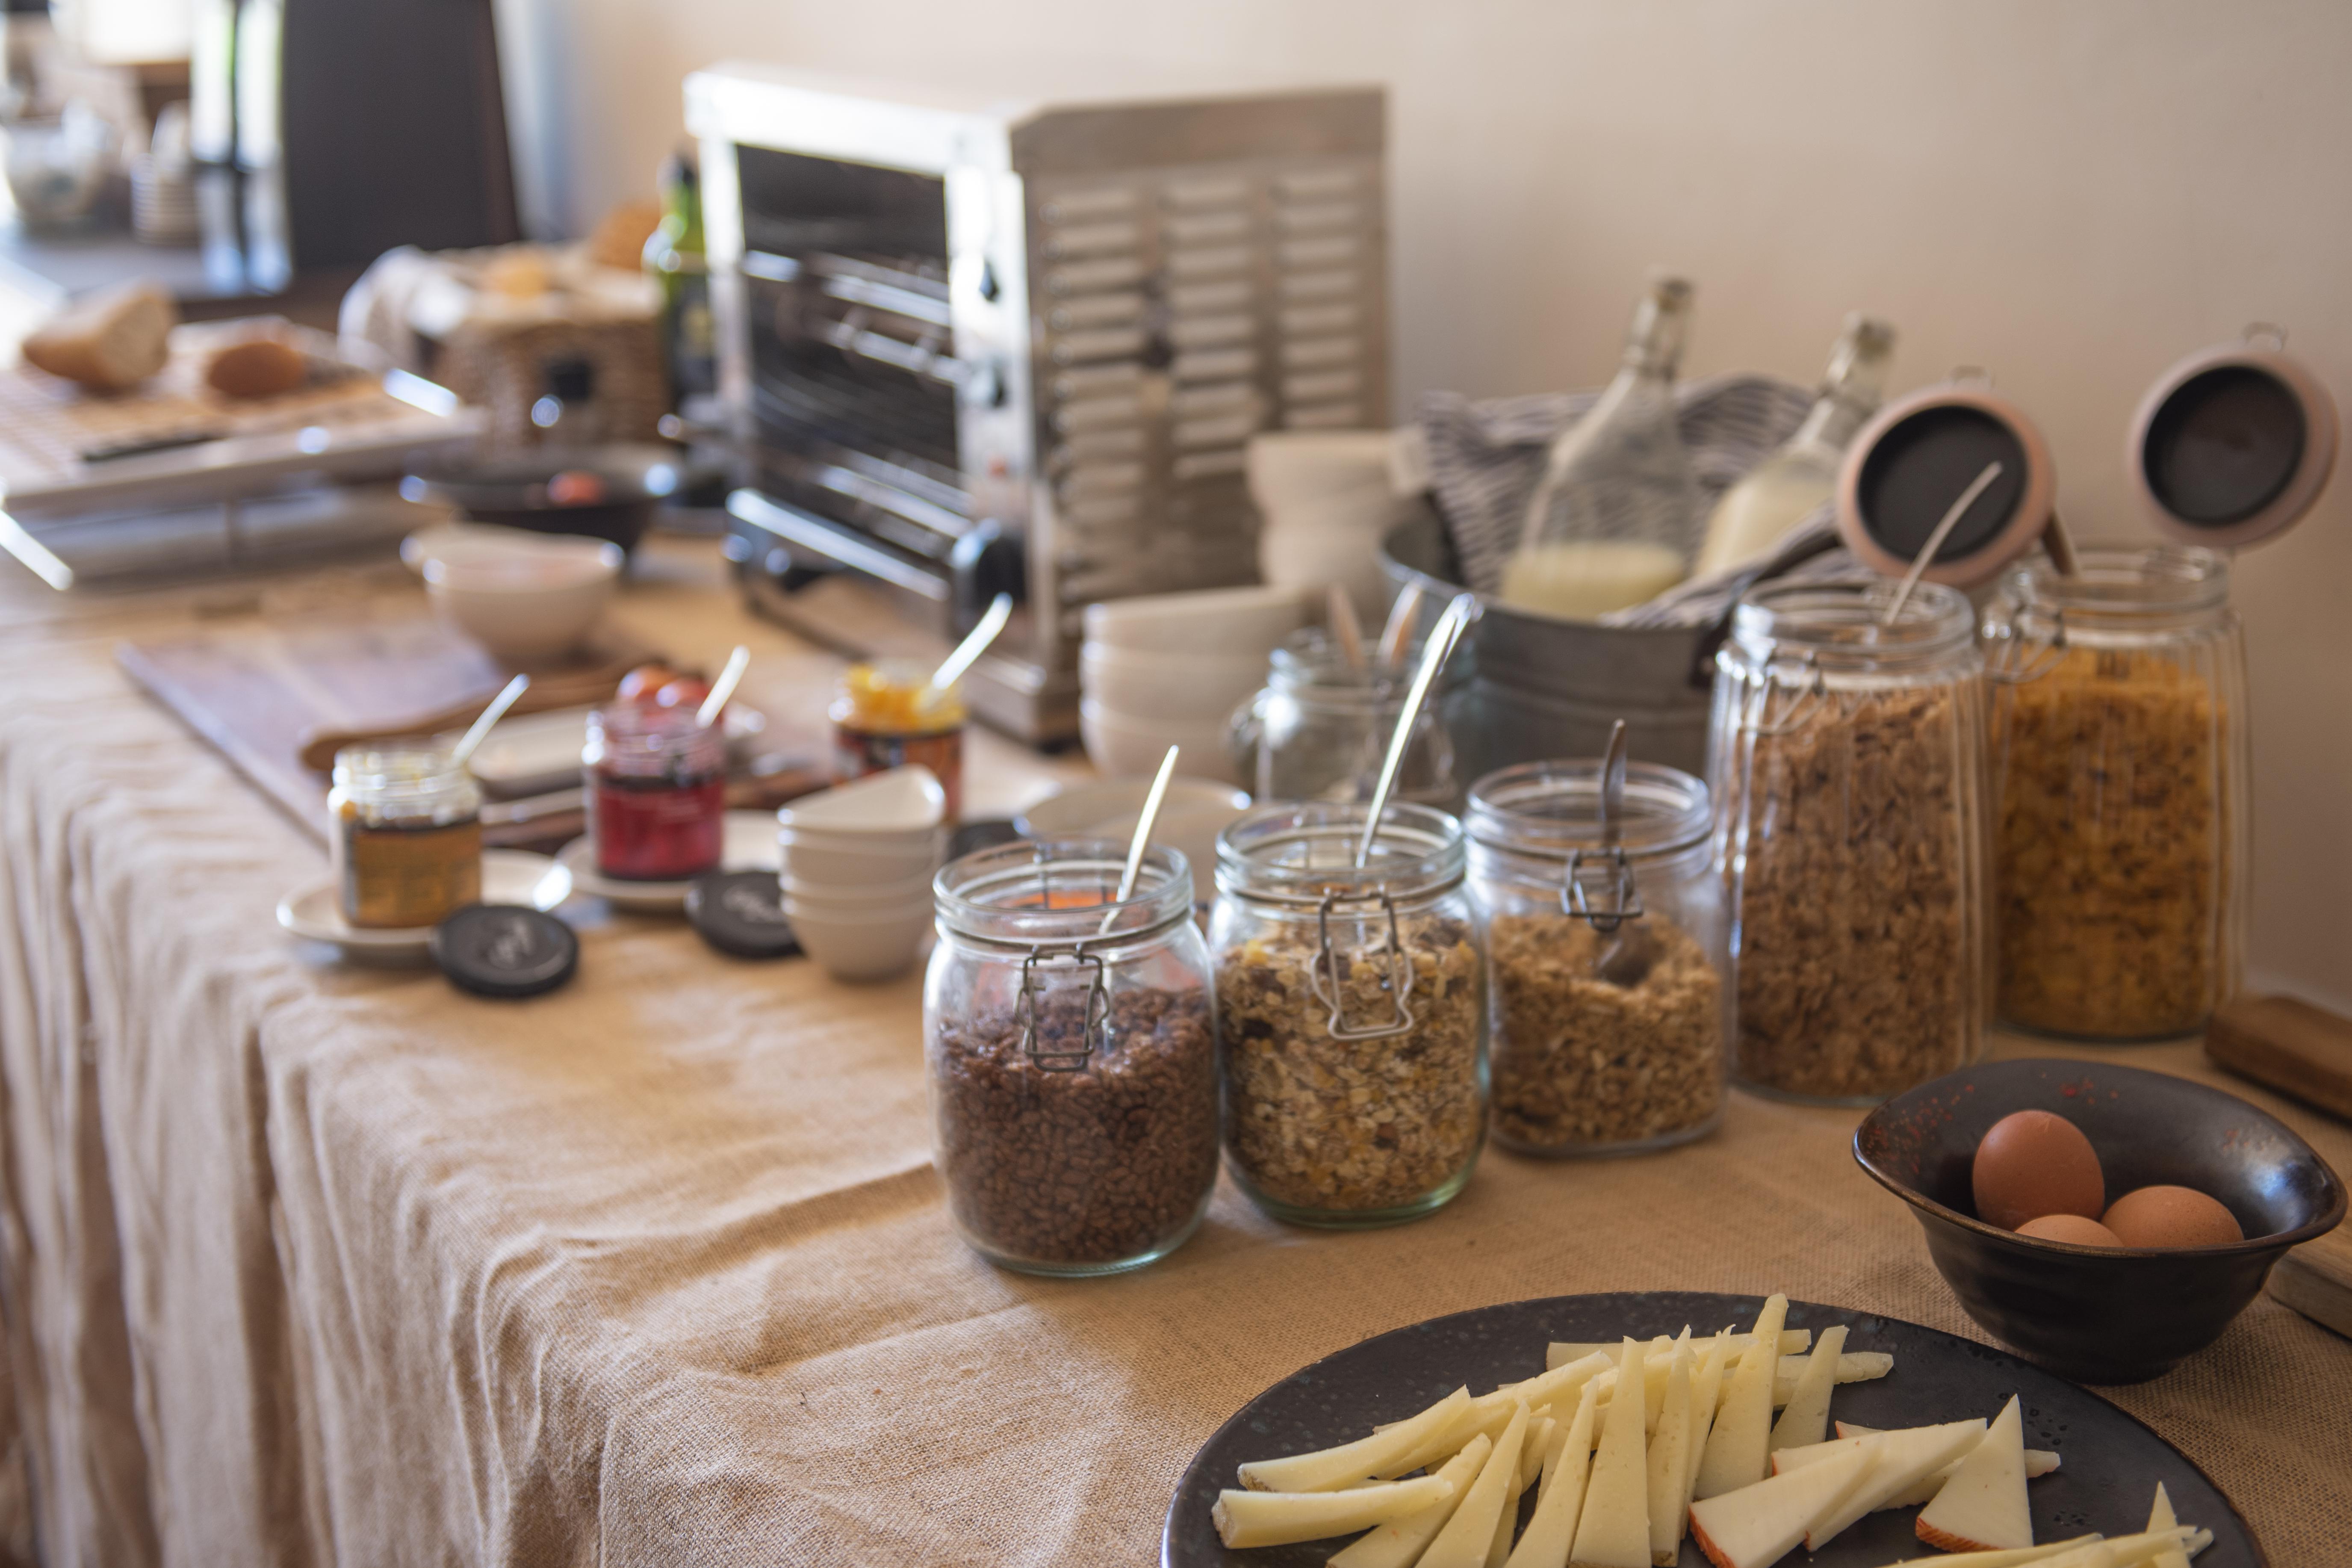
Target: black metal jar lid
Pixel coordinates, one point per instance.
(2233, 444)
(504, 949)
(1958, 447)
(742, 913)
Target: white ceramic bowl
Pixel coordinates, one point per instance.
(1231, 620)
(900, 803)
(1126, 745)
(860, 947)
(526, 607)
(858, 898)
(1182, 686)
(822, 862)
(464, 544)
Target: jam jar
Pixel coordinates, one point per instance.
(657, 789)
(887, 715)
(406, 835)
(1070, 1038)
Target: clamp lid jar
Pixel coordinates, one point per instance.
(1846, 758)
(2119, 795)
(1070, 1043)
(1352, 1008)
(1607, 948)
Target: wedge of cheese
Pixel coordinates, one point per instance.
(1669, 1460)
(1613, 1529)
(1706, 1392)
(1854, 1366)
(1552, 1531)
(1793, 1342)
(1897, 1461)
(1735, 1449)
(1399, 1542)
(2159, 1517)
(1757, 1524)
(1470, 1533)
(1326, 1470)
(1531, 1452)
(1983, 1507)
(2039, 1462)
(1276, 1518)
(2015, 1558)
(1807, 1418)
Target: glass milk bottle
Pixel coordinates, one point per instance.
(1797, 480)
(1615, 519)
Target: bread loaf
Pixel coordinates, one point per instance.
(112, 339)
(257, 367)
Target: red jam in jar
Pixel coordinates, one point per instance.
(656, 786)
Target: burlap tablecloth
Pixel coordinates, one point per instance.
(304, 1265)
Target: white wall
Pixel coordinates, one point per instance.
(2073, 195)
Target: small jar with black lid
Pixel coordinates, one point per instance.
(1070, 1039)
(1607, 947)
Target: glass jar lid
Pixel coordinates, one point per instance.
(1302, 853)
(1061, 893)
(395, 775)
(641, 740)
(1548, 811)
(2164, 584)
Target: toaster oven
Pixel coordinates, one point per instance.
(966, 347)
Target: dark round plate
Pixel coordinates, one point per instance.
(2111, 1461)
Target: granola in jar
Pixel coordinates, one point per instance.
(1606, 948)
(1360, 1103)
(1852, 834)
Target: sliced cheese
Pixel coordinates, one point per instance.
(1328, 1468)
(1531, 1452)
(1706, 1392)
(1470, 1533)
(1793, 1342)
(1246, 1519)
(1399, 1542)
(1983, 1507)
(1807, 1418)
(2013, 1558)
(2039, 1462)
(1552, 1531)
(2144, 1550)
(1735, 1449)
(1757, 1524)
(1613, 1529)
(2159, 1517)
(1669, 1460)
(1898, 1461)
(1854, 1366)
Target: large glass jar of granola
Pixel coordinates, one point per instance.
(1846, 758)
(2119, 795)
(1606, 948)
(1071, 1043)
(1352, 1007)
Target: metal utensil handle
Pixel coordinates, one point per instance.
(1440, 647)
(1326, 971)
(1927, 557)
(1612, 785)
(1812, 697)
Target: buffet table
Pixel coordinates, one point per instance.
(306, 1264)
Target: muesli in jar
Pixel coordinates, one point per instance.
(1351, 1008)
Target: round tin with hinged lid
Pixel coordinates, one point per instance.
(2233, 444)
(1958, 448)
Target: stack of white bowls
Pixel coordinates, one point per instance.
(856, 868)
(1169, 669)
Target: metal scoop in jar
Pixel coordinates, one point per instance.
(1600, 892)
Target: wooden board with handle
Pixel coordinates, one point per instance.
(2315, 1280)
(2288, 1045)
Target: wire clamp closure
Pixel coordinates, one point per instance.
(1397, 981)
(1037, 973)
(1598, 889)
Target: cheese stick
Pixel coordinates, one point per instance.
(1328, 1468)
(1399, 1542)
(1277, 1519)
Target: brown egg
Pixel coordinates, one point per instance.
(2069, 1228)
(2171, 1217)
(2033, 1163)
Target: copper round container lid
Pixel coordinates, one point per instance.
(2232, 444)
(1954, 447)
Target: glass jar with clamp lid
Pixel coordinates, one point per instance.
(1071, 1049)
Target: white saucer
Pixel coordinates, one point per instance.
(750, 846)
(315, 913)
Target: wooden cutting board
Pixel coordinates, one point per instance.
(2315, 1280)
(262, 693)
(2290, 1045)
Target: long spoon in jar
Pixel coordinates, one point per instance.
(481, 727)
(1433, 655)
(1943, 530)
(1141, 842)
(723, 687)
(967, 653)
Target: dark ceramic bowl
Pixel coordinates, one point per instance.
(2102, 1314)
(629, 485)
